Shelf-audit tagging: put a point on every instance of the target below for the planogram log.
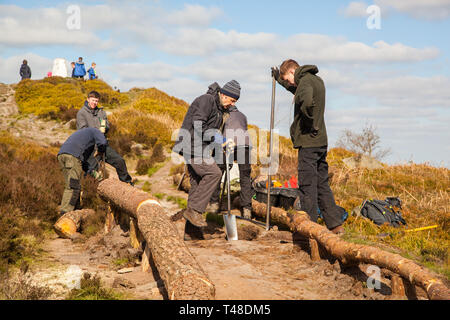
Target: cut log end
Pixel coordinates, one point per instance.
(68, 224)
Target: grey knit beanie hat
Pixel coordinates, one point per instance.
(232, 89)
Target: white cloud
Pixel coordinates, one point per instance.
(421, 9)
(335, 49)
(194, 15)
(23, 27)
(356, 9)
(407, 92)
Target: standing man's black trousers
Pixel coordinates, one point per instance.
(315, 191)
(115, 160)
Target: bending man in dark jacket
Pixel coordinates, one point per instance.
(72, 158)
(309, 136)
(200, 133)
(91, 116)
(235, 128)
(25, 71)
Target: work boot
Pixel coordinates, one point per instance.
(194, 217)
(177, 216)
(247, 213)
(213, 207)
(339, 230)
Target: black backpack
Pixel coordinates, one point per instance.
(382, 211)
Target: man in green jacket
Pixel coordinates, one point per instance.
(309, 136)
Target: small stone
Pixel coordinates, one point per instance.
(357, 289)
(148, 286)
(328, 272)
(124, 283)
(125, 270)
(337, 267)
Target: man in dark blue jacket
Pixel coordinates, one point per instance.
(72, 157)
(201, 127)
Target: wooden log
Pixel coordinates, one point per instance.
(146, 259)
(135, 236)
(68, 224)
(110, 221)
(314, 247)
(397, 286)
(182, 275)
(355, 253)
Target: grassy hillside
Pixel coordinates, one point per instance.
(57, 97)
(149, 117)
(426, 202)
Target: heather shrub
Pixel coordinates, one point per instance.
(142, 126)
(31, 187)
(155, 101)
(53, 97)
(108, 96)
(143, 165)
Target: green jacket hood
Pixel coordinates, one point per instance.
(302, 70)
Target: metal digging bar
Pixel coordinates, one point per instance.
(229, 219)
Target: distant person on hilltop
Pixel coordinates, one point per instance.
(79, 71)
(72, 157)
(72, 64)
(91, 116)
(25, 71)
(92, 74)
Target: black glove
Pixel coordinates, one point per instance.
(276, 73)
(314, 132)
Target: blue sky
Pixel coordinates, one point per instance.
(397, 78)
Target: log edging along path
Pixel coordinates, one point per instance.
(354, 253)
(183, 277)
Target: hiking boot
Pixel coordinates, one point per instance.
(339, 230)
(247, 213)
(177, 216)
(194, 217)
(213, 207)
